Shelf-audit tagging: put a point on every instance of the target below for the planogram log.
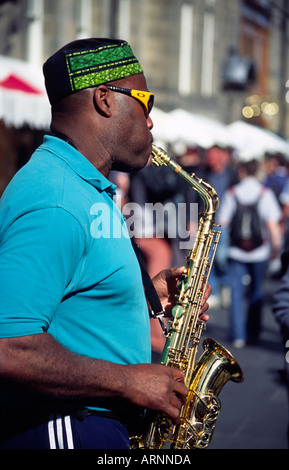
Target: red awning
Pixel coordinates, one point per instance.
(12, 82)
(23, 100)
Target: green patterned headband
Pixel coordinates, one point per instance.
(88, 63)
(105, 64)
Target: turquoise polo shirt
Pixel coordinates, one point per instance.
(67, 266)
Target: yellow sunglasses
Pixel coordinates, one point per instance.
(145, 98)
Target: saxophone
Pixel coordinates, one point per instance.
(206, 376)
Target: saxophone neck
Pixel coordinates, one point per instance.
(206, 192)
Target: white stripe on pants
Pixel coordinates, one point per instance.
(58, 428)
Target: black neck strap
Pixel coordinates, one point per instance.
(64, 137)
(157, 310)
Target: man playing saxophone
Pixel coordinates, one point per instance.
(74, 327)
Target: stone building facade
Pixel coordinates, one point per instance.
(183, 46)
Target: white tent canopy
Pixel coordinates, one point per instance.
(249, 141)
(196, 129)
(253, 142)
(180, 126)
(23, 99)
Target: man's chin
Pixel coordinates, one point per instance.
(131, 168)
(126, 169)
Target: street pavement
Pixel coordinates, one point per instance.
(254, 414)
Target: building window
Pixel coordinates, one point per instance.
(84, 14)
(207, 79)
(124, 19)
(35, 15)
(186, 44)
(255, 45)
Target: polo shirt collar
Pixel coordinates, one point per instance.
(79, 164)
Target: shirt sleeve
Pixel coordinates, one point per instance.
(39, 256)
(269, 207)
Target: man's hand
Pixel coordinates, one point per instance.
(166, 283)
(156, 387)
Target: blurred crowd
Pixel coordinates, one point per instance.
(237, 274)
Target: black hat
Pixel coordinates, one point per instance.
(88, 63)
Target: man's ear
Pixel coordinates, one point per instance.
(102, 100)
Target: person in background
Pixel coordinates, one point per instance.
(249, 262)
(148, 188)
(277, 178)
(276, 174)
(220, 173)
